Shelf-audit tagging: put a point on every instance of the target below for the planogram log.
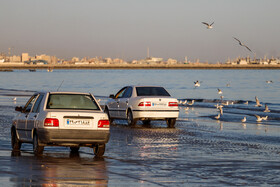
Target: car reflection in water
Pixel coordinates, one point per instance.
(147, 141)
(58, 170)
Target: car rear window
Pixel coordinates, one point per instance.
(71, 102)
(151, 91)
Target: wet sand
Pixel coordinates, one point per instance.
(200, 151)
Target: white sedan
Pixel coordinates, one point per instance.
(144, 103)
(71, 119)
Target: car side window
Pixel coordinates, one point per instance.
(128, 93)
(121, 93)
(29, 104)
(37, 104)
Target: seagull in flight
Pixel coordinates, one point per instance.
(209, 26)
(197, 84)
(240, 43)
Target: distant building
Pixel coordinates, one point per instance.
(75, 59)
(242, 62)
(24, 57)
(171, 61)
(154, 60)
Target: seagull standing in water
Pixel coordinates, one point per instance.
(191, 103)
(244, 119)
(209, 26)
(218, 116)
(266, 108)
(259, 119)
(184, 102)
(220, 107)
(240, 43)
(257, 102)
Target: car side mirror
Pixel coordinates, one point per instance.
(18, 109)
(112, 96)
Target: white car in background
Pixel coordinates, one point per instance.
(71, 119)
(144, 103)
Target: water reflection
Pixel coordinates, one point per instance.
(57, 169)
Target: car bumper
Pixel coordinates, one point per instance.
(71, 136)
(152, 114)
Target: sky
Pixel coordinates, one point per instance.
(127, 28)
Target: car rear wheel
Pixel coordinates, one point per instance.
(16, 144)
(130, 120)
(99, 150)
(37, 148)
(74, 149)
(171, 122)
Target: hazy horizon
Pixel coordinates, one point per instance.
(126, 28)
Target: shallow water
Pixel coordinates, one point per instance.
(200, 151)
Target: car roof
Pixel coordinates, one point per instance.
(59, 92)
(145, 86)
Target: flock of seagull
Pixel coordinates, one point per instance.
(220, 106)
(210, 26)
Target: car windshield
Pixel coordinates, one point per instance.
(151, 91)
(71, 102)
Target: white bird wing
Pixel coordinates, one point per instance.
(257, 101)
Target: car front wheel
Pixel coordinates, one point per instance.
(37, 148)
(107, 112)
(16, 144)
(99, 150)
(171, 122)
(130, 120)
(74, 149)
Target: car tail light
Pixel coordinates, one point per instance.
(51, 122)
(173, 104)
(103, 124)
(145, 103)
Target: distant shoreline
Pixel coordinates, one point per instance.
(138, 66)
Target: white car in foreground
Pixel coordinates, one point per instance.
(144, 103)
(71, 119)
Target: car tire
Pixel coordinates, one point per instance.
(171, 122)
(99, 150)
(107, 112)
(130, 120)
(146, 122)
(37, 148)
(16, 144)
(74, 149)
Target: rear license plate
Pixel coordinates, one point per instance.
(158, 104)
(77, 122)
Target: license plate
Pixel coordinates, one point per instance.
(158, 104)
(77, 122)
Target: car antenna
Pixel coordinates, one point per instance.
(60, 85)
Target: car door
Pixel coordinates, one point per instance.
(123, 102)
(114, 103)
(22, 118)
(32, 116)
